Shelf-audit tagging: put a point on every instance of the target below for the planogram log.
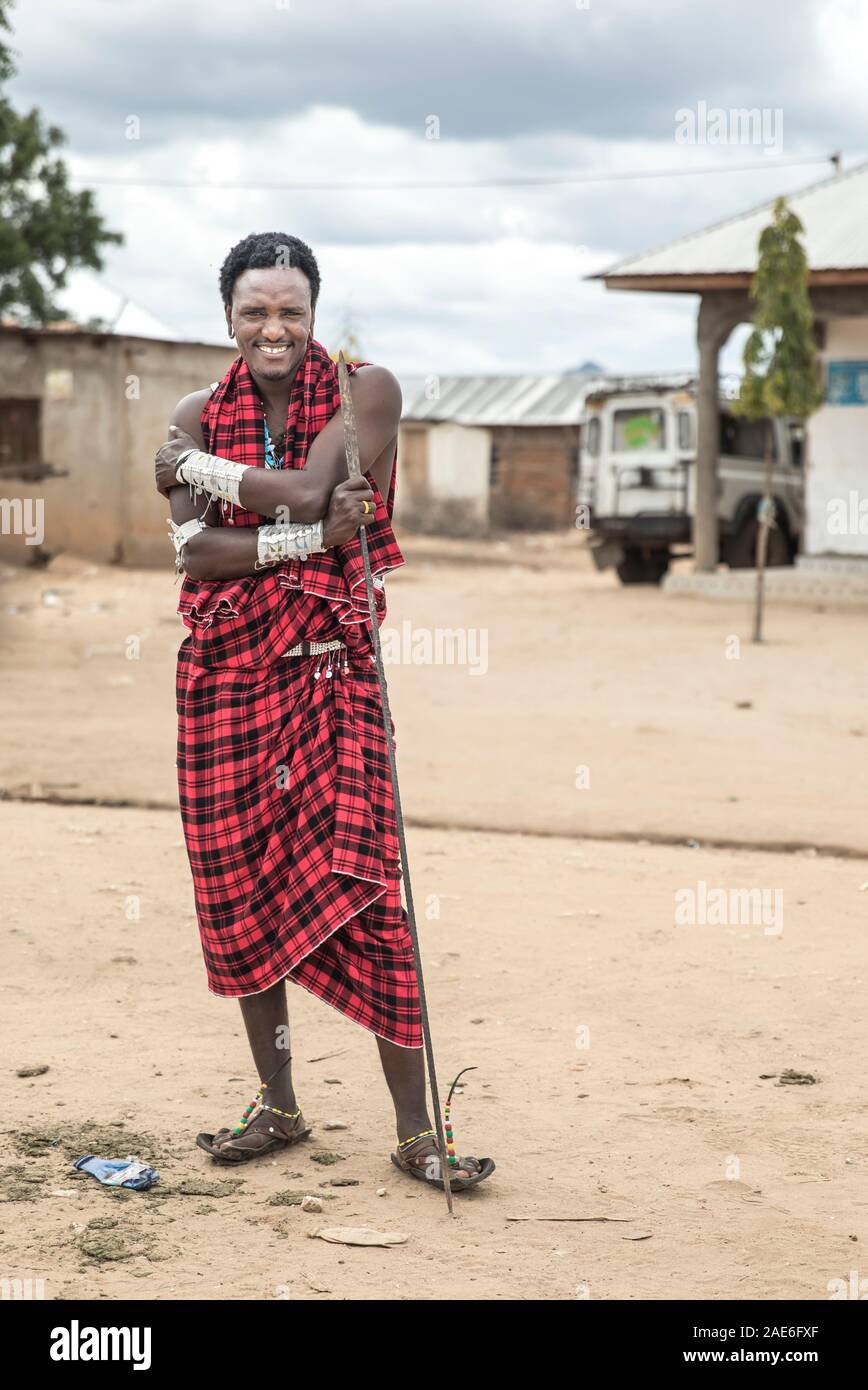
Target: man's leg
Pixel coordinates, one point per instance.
(404, 1070)
(267, 1022)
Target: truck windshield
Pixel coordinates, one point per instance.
(638, 428)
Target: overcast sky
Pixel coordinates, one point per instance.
(461, 279)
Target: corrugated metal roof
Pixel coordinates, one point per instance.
(521, 400)
(502, 400)
(86, 297)
(666, 381)
(834, 214)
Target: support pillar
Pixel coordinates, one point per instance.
(718, 315)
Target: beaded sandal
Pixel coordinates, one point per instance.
(430, 1171)
(231, 1152)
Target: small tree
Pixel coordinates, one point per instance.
(781, 371)
(46, 230)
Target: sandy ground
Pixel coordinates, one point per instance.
(629, 1066)
(686, 728)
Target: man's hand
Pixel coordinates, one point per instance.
(166, 461)
(345, 513)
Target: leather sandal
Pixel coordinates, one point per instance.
(429, 1170)
(229, 1150)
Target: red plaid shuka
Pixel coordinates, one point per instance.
(283, 770)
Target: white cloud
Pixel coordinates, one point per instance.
(459, 279)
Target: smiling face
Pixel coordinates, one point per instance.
(271, 319)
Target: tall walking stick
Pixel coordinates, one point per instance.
(351, 444)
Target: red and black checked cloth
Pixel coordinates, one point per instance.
(283, 771)
(332, 584)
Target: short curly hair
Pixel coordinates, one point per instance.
(263, 250)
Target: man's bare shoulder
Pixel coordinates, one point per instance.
(378, 386)
(191, 407)
(187, 414)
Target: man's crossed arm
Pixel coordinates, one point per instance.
(319, 491)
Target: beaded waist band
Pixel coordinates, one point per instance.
(314, 648)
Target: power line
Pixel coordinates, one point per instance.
(398, 185)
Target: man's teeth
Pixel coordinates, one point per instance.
(274, 351)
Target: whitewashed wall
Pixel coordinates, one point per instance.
(458, 464)
(837, 481)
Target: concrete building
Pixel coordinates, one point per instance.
(479, 453)
(81, 415)
(718, 264)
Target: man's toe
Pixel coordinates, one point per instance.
(468, 1168)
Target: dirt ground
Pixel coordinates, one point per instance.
(616, 750)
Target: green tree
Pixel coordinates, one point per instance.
(781, 370)
(46, 230)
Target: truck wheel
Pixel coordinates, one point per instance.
(642, 566)
(739, 551)
(656, 565)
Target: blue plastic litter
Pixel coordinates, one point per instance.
(118, 1172)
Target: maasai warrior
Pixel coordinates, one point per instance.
(283, 766)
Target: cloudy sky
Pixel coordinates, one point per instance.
(318, 108)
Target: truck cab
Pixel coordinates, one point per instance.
(637, 480)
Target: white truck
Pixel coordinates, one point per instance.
(637, 479)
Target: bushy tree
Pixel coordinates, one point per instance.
(46, 229)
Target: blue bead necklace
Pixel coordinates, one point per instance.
(271, 459)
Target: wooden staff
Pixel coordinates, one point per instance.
(351, 444)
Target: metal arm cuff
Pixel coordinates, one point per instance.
(295, 541)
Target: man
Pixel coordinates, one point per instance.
(283, 767)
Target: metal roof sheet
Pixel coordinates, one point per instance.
(521, 400)
(502, 400)
(833, 212)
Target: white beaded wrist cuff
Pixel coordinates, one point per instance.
(180, 535)
(208, 473)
